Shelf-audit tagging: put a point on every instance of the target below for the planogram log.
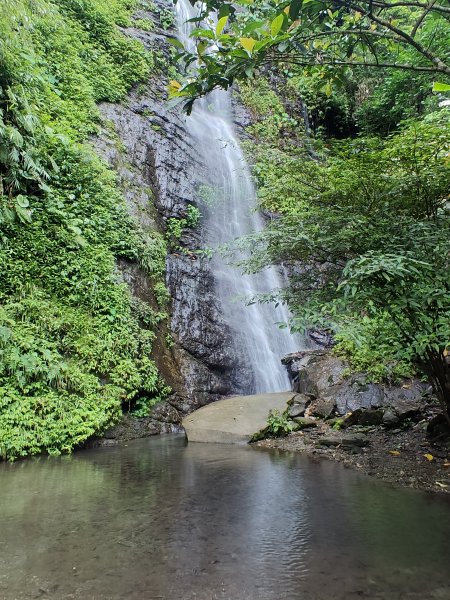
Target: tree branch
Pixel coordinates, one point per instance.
(440, 65)
(334, 33)
(340, 63)
(421, 19)
(388, 5)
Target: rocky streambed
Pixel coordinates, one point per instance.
(390, 432)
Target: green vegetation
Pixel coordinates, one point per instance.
(368, 221)
(176, 227)
(322, 36)
(278, 425)
(166, 18)
(74, 348)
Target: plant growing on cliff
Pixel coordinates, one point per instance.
(278, 424)
(176, 226)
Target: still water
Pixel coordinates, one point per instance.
(160, 519)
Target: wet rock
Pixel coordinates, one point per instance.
(321, 373)
(364, 417)
(322, 337)
(296, 410)
(390, 419)
(305, 422)
(181, 404)
(298, 405)
(302, 399)
(328, 441)
(165, 413)
(159, 172)
(411, 393)
(312, 371)
(354, 394)
(323, 408)
(131, 428)
(408, 410)
(324, 375)
(355, 440)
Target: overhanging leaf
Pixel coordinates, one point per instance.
(221, 25)
(175, 42)
(248, 43)
(276, 25)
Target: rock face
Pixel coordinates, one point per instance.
(322, 376)
(159, 172)
(162, 420)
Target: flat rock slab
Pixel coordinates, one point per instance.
(233, 420)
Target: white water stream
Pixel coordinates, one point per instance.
(232, 216)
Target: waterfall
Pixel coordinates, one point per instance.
(231, 216)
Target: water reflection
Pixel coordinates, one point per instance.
(162, 519)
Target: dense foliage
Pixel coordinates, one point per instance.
(365, 224)
(323, 35)
(73, 347)
(362, 224)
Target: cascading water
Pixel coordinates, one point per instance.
(232, 216)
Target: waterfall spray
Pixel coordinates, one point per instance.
(233, 216)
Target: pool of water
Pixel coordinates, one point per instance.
(160, 519)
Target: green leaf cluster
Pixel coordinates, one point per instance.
(176, 226)
(75, 348)
(320, 35)
(271, 118)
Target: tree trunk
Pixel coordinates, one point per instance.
(437, 368)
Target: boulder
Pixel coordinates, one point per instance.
(323, 408)
(354, 394)
(328, 441)
(304, 422)
(296, 410)
(357, 440)
(311, 371)
(298, 405)
(390, 419)
(407, 410)
(320, 374)
(365, 417)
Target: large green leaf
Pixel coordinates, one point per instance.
(276, 25)
(438, 86)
